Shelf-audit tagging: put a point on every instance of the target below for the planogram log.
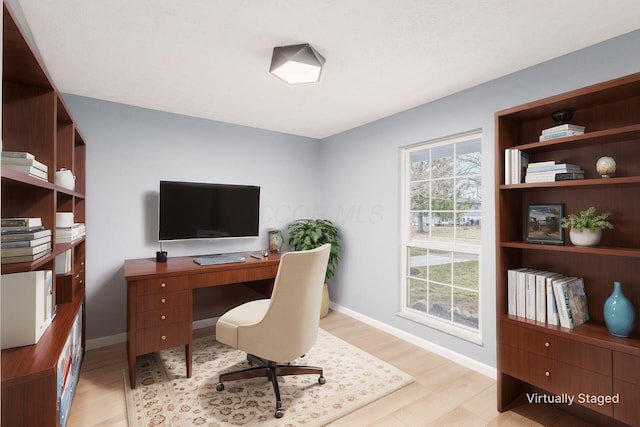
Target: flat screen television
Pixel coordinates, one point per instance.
(194, 210)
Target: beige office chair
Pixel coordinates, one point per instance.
(276, 331)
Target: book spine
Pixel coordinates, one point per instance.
(511, 291)
(520, 294)
(569, 176)
(561, 167)
(20, 222)
(541, 299)
(530, 296)
(552, 309)
(561, 305)
(567, 303)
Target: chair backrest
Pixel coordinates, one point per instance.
(292, 320)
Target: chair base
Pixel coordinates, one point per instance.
(271, 371)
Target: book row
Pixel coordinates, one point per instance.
(547, 297)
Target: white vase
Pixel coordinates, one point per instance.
(586, 237)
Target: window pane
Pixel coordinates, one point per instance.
(466, 308)
(439, 301)
(468, 159)
(419, 165)
(466, 270)
(468, 193)
(418, 263)
(440, 266)
(442, 195)
(417, 295)
(419, 196)
(442, 161)
(419, 225)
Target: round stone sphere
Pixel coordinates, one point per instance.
(606, 166)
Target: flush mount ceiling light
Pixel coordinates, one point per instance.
(295, 64)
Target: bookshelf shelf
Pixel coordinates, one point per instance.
(35, 120)
(533, 355)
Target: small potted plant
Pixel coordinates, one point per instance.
(585, 229)
(305, 234)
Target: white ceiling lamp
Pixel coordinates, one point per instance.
(295, 64)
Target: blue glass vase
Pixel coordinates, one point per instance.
(619, 315)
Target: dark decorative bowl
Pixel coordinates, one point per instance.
(562, 116)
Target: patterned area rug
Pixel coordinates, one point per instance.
(165, 397)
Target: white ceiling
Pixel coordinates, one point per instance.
(210, 58)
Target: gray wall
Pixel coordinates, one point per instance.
(362, 168)
(352, 178)
(129, 150)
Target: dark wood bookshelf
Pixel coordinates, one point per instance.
(35, 119)
(587, 359)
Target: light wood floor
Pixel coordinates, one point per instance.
(443, 394)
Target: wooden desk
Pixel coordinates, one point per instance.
(160, 301)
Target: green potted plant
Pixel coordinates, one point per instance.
(305, 234)
(585, 229)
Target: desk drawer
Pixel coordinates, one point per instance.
(162, 337)
(224, 277)
(147, 319)
(163, 300)
(167, 284)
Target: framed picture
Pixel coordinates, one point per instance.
(543, 224)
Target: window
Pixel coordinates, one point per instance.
(441, 207)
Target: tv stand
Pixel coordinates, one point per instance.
(160, 303)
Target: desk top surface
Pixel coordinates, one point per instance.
(149, 268)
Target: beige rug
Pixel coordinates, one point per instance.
(165, 397)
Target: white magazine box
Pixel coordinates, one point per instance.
(28, 306)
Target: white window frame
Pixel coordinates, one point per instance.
(446, 326)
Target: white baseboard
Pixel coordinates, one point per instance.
(458, 358)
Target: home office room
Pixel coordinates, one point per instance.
(343, 213)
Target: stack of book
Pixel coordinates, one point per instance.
(70, 234)
(561, 131)
(547, 297)
(24, 162)
(23, 240)
(552, 171)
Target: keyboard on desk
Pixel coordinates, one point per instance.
(218, 259)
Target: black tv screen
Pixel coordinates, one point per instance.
(193, 210)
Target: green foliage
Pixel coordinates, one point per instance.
(305, 234)
(587, 219)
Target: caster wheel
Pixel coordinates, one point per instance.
(322, 380)
(220, 387)
(279, 413)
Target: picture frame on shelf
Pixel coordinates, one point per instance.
(543, 224)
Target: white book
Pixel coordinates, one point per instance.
(24, 161)
(30, 170)
(512, 293)
(552, 308)
(28, 250)
(541, 294)
(564, 126)
(562, 302)
(26, 243)
(18, 154)
(21, 222)
(521, 284)
(530, 295)
(507, 166)
(560, 134)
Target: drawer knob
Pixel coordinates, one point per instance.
(163, 317)
(163, 285)
(546, 344)
(163, 338)
(547, 374)
(163, 300)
